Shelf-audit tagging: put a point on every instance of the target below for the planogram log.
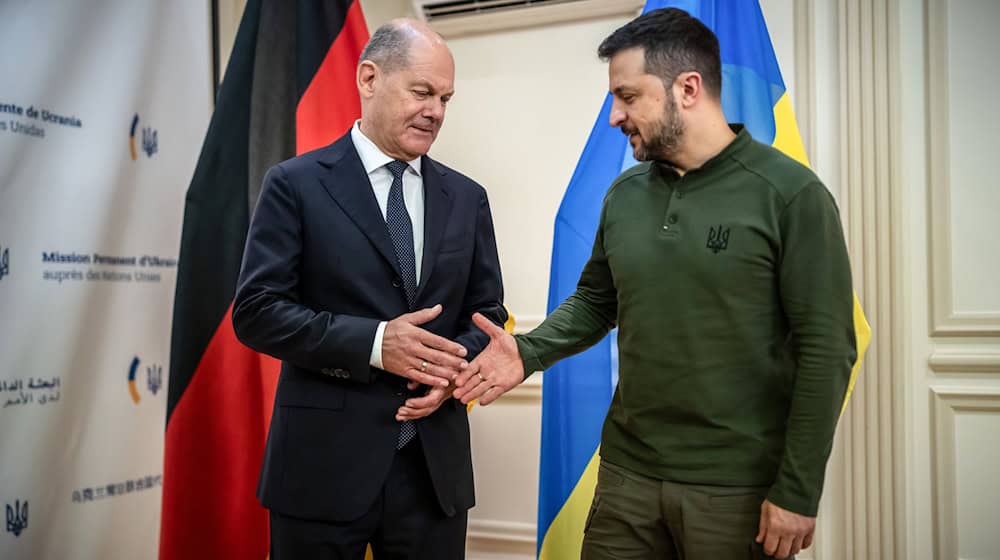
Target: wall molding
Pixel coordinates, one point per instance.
(870, 464)
(530, 391)
(497, 536)
(526, 322)
(986, 362)
(945, 320)
(497, 530)
(803, 12)
(945, 402)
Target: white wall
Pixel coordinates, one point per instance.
(524, 105)
(378, 12)
(949, 73)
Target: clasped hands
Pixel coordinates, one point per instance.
(428, 359)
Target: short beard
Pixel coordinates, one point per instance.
(663, 145)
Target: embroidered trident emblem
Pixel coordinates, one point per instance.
(718, 239)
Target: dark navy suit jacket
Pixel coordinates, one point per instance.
(319, 273)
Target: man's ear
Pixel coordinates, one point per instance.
(691, 89)
(367, 74)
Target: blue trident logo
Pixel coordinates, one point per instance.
(154, 378)
(149, 143)
(17, 517)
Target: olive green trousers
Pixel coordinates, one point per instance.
(634, 517)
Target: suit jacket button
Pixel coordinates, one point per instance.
(397, 282)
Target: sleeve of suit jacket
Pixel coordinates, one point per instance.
(484, 293)
(267, 313)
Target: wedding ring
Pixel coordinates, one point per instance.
(423, 366)
(481, 378)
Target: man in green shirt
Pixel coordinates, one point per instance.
(722, 263)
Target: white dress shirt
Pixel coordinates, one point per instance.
(374, 162)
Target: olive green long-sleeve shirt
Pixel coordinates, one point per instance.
(731, 289)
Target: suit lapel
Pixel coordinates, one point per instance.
(347, 183)
(437, 207)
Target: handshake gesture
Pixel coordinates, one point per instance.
(495, 371)
(428, 359)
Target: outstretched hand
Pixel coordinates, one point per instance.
(495, 371)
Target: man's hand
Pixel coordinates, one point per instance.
(495, 371)
(782, 532)
(419, 407)
(411, 352)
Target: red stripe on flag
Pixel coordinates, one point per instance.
(330, 104)
(216, 436)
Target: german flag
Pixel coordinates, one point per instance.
(289, 88)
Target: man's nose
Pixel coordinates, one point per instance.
(434, 109)
(617, 116)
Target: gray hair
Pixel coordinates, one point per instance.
(388, 48)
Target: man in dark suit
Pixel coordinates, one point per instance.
(364, 263)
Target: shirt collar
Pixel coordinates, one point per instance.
(371, 156)
(742, 139)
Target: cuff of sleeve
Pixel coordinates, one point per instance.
(376, 356)
(802, 505)
(529, 358)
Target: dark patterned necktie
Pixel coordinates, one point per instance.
(397, 220)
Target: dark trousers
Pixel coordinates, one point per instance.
(405, 522)
(640, 518)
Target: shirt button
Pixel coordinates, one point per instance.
(672, 219)
(666, 227)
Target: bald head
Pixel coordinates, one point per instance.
(389, 47)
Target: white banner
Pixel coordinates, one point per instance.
(103, 107)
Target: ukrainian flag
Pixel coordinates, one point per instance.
(577, 391)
